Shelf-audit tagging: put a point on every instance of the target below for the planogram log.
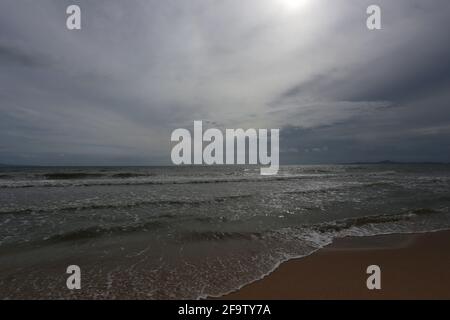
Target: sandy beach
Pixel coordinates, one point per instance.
(413, 266)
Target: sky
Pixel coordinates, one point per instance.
(112, 92)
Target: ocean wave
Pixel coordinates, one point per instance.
(71, 175)
(383, 173)
(120, 205)
(145, 181)
(348, 223)
(327, 189)
(315, 231)
(381, 184)
(125, 175)
(37, 177)
(196, 236)
(95, 232)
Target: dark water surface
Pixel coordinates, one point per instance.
(188, 232)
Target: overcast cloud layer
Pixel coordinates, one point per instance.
(111, 93)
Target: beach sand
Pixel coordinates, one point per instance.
(413, 266)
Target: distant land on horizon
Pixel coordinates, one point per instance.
(397, 162)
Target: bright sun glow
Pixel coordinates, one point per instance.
(292, 4)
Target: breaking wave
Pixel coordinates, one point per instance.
(120, 205)
(326, 228)
(146, 181)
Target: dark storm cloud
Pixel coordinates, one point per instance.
(113, 92)
(12, 56)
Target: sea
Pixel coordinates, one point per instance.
(194, 232)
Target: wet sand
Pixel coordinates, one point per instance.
(413, 266)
